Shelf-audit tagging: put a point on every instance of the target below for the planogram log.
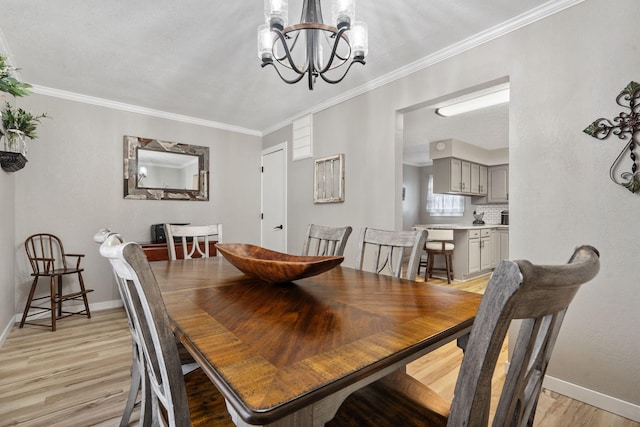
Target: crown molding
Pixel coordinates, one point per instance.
(72, 96)
(543, 11)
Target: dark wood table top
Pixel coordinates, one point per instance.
(274, 349)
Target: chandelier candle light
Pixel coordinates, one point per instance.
(312, 48)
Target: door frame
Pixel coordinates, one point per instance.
(282, 146)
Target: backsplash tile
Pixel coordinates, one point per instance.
(492, 213)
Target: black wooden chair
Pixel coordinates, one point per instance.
(48, 259)
(539, 296)
(325, 241)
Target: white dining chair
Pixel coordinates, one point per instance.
(174, 399)
(194, 238)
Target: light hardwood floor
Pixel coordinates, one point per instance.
(79, 375)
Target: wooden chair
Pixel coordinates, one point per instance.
(197, 236)
(48, 259)
(325, 241)
(389, 250)
(174, 399)
(540, 296)
(438, 243)
(107, 238)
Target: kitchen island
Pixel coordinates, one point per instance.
(478, 248)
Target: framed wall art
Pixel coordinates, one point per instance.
(328, 179)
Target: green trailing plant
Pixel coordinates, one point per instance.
(8, 83)
(17, 119)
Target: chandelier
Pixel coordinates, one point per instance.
(312, 48)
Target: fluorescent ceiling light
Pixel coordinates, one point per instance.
(499, 95)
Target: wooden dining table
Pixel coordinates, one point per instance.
(289, 354)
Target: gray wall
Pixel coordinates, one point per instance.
(7, 255)
(73, 185)
(558, 87)
(412, 204)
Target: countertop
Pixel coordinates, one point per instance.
(461, 226)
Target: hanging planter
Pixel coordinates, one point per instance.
(12, 162)
(18, 125)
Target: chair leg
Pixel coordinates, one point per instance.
(29, 300)
(136, 383)
(84, 295)
(447, 261)
(59, 296)
(52, 285)
(429, 272)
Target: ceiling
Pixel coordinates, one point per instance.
(487, 128)
(198, 59)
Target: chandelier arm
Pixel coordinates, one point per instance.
(293, 46)
(328, 80)
(334, 50)
(292, 81)
(287, 54)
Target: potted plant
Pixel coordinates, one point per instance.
(8, 83)
(18, 124)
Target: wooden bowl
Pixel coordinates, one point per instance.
(275, 267)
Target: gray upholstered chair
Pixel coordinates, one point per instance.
(325, 241)
(389, 247)
(537, 295)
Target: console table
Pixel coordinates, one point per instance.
(160, 251)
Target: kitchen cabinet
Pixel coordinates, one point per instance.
(473, 253)
(498, 184)
(451, 175)
(478, 179)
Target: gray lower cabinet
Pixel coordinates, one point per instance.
(473, 254)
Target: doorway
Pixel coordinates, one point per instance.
(273, 234)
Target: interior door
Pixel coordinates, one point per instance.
(274, 198)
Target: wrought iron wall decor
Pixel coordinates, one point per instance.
(626, 126)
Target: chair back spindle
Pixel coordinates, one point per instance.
(194, 238)
(325, 241)
(389, 250)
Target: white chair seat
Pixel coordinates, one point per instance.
(437, 246)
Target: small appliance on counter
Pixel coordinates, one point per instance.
(504, 217)
(478, 218)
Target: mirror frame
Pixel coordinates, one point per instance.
(131, 190)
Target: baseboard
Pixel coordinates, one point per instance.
(607, 403)
(5, 333)
(105, 305)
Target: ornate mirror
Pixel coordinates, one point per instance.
(163, 170)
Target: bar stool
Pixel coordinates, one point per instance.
(439, 242)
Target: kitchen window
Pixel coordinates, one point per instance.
(443, 204)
